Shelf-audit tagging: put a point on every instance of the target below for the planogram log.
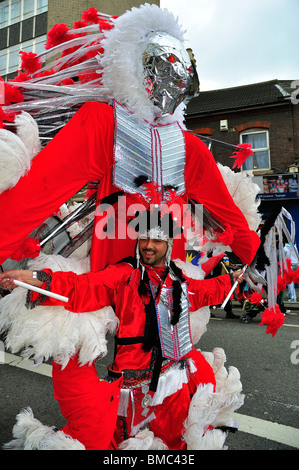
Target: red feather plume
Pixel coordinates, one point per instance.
(57, 35)
(225, 237)
(90, 15)
(30, 62)
(241, 154)
(29, 248)
(273, 318)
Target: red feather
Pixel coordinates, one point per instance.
(281, 284)
(152, 193)
(241, 154)
(90, 15)
(45, 73)
(225, 237)
(57, 35)
(80, 24)
(29, 248)
(30, 62)
(273, 318)
(104, 24)
(21, 77)
(12, 94)
(67, 81)
(256, 298)
(10, 117)
(287, 272)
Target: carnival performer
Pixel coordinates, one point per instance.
(156, 370)
(146, 74)
(135, 131)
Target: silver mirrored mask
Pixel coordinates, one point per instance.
(168, 71)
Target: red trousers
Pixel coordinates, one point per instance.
(90, 406)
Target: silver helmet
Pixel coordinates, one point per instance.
(168, 71)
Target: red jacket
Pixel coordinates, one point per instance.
(117, 286)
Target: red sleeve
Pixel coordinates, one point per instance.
(86, 292)
(208, 291)
(205, 184)
(79, 153)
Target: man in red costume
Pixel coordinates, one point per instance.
(156, 370)
(140, 132)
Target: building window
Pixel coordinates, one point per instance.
(10, 58)
(23, 25)
(28, 8)
(259, 141)
(15, 12)
(4, 13)
(41, 6)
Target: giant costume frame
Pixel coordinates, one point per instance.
(91, 146)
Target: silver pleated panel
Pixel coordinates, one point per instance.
(157, 152)
(175, 340)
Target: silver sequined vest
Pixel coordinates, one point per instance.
(157, 152)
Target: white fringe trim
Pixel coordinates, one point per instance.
(30, 434)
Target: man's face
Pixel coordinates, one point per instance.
(152, 251)
(168, 71)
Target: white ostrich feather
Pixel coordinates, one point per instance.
(144, 440)
(30, 434)
(54, 331)
(17, 150)
(123, 46)
(27, 130)
(216, 409)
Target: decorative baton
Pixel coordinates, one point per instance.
(233, 288)
(41, 291)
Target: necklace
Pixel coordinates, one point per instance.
(160, 278)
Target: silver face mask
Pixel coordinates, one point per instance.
(168, 71)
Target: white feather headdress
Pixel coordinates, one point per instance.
(121, 61)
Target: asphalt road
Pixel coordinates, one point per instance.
(269, 418)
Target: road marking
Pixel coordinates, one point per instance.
(27, 364)
(267, 429)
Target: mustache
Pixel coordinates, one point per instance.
(148, 250)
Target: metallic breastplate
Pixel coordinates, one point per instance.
(175, 340)
(157, 152)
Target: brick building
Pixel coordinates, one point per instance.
(70, 10)
(266, 115)
(24, 24)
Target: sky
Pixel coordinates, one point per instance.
(239, 42)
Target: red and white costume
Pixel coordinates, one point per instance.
(81, 152)
(79, 392)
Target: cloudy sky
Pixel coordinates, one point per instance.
(237, 42)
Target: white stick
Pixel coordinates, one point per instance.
(233, 288)
(41, 291)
